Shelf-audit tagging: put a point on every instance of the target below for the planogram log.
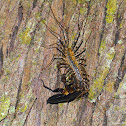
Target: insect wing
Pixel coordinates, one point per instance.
(60, 98)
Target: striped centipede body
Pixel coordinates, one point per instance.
(75, 77)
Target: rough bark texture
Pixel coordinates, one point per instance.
(24, 37)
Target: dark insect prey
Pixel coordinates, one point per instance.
(75, 77)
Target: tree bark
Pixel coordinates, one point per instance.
(28, 28)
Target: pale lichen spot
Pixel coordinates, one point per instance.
(120, 42)
(92, 100)
(12, 109)
(102, 46)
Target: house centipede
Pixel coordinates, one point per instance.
(75, 77)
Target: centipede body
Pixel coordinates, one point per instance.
(75, 77)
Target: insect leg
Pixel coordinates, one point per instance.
(77, 56)
(51, 31)
(68, 69)
(60, 51)
(81, 61)
(78, 46)
(58, 23)
(61, 42)
(63, 29)
(80, 54)
(62, 65)
(53, 59)
(75, 41)
(55, 90)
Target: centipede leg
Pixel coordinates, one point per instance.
(75, 41)
(55, 90)
(53, 59)
(77, 48)
(80, 46)
(80, 54)
(77, 38)
(60, 51)
(62, 65)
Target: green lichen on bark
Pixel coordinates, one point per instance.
(111, 8)
(26, 35)
(104, 70)
(122, 89)
(4, 106)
